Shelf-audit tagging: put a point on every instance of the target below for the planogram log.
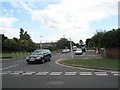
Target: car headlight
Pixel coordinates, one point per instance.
(38, 57)
(27, 57)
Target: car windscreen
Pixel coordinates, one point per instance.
(37, 53)
(79, 50)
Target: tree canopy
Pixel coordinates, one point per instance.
(109, 39)
(24, 43)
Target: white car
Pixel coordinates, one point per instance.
(65, 50)
(78, 51)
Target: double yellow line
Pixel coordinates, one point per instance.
(57, 62)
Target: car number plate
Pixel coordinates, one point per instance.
(31, 59)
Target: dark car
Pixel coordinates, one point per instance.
(39, 56)
(83, 49)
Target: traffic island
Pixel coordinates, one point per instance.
(92, 64)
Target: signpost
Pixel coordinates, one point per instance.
(71, 48)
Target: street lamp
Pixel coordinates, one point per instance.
(41, 42)
(71, 48)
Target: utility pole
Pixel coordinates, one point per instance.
(41, 42)
(71, 48)
(63, 35)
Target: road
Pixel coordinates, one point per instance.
(19, 74)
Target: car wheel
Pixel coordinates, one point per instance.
(50, 59)
(28, 62)
(42, 61)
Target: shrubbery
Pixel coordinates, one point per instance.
(24, 43)
(110, 39)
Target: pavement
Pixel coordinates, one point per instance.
(19, 74)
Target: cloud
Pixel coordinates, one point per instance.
(72, 17)
(6, 26)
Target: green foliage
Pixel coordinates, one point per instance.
(62, 43)
(24, 43)
(88, 42)
(93, 63)
(96, 39)
(10, 45)
(110, 39)
(81, 43)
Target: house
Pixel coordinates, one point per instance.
(45, 45)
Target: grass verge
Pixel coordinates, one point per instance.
(14, 55)
(94, 63)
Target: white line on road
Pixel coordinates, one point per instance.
(116, 74)
(18, 71)
(9, 67)
(70, 73)
(27, 73)
(85, 73)
(3, 73)
(55, 73)
(15, 73)
(42, 73)
(101, 73)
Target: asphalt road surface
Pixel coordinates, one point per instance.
(19, 74)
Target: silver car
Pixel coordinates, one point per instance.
(78, 52)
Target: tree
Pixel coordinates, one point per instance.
(4, 38)
(10, 45)
(88, 42)
(111, 39)
(63, 43)
(96, 39)
(24, 44)
(25, 39)
(21, 33)
(81, 42)
(24, 35)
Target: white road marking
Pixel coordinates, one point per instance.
(27, 73)
(18, 71)
(58, 73)
(9, 67)
(6, 71)
(70, 73)
(3, 73)
(101, 73)
(55, 73)
(115, 72)
(14, 73)
(42, 73)
(85, 73)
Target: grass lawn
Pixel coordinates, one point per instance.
(99, 63)
(15, 54)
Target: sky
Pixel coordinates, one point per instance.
(50, 20)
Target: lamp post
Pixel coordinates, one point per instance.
(71, 48)
(41, 42)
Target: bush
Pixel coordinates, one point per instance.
(111, 39)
